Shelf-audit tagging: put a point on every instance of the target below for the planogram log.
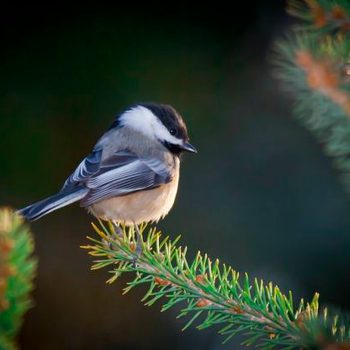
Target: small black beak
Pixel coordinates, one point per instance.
(186, 146)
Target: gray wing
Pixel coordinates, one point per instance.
(137, 175)
(88, 167)
(121, 173)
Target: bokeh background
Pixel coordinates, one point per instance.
(260, 194)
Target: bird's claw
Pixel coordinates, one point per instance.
(117, 229)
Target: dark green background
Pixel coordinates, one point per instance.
(260, 195)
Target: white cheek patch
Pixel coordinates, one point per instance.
(143, 120)
(139, 118)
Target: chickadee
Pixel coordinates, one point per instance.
(132, 174)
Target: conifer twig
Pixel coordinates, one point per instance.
(213, 294)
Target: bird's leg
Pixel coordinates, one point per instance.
(139, 241)
(138, 249)
(117, 230)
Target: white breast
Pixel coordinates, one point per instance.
(143, 206)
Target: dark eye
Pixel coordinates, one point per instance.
(173, 131)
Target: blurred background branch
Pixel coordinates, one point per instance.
(314, 64)
(17, 271)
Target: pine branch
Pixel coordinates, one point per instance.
(17, 270)
(213, 294)
(314, 66)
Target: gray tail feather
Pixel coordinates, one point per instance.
(47, 205)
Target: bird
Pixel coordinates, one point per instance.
(131, 175)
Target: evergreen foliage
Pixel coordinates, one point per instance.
(17, 270)
(214, 294)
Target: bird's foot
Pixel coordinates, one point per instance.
(117, 229)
